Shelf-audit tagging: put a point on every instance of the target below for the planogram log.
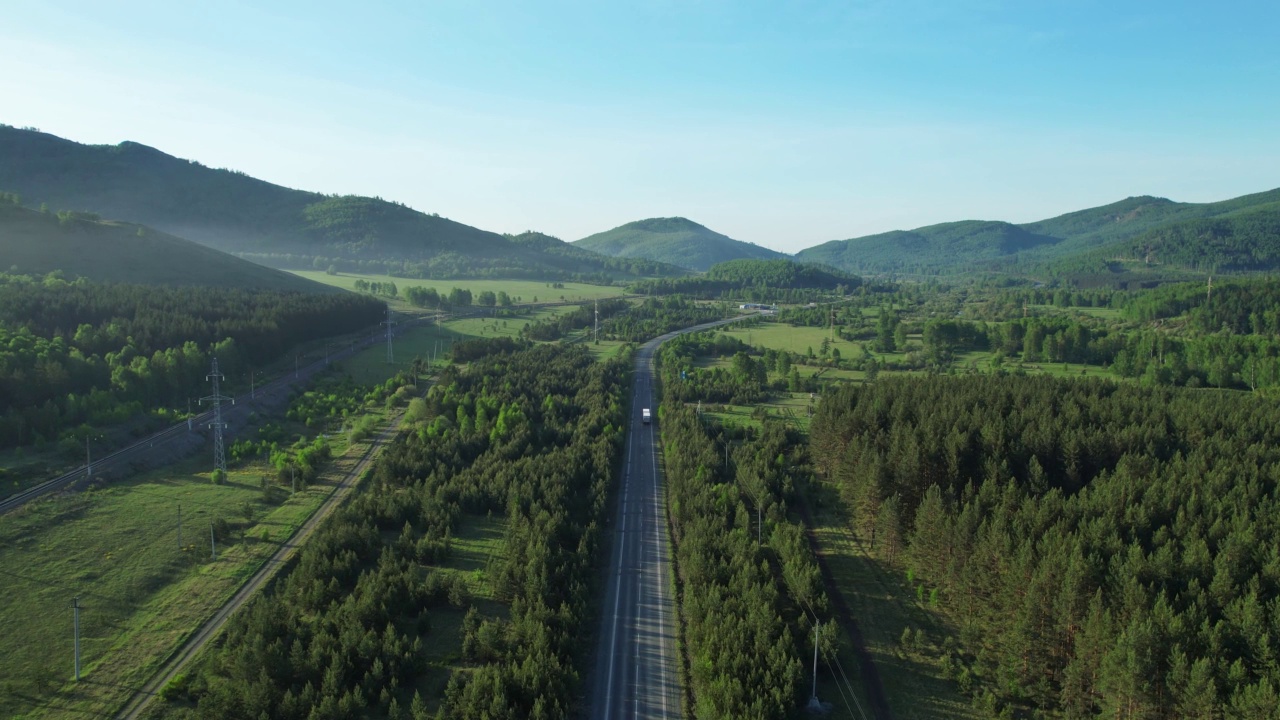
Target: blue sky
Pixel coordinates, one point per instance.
(782, 123)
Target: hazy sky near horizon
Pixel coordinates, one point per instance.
(785, 124)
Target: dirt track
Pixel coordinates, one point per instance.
(866, 665)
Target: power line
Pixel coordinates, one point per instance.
(389, 323)
(219, 452)
(75, 606)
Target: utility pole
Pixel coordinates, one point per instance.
(75, 607)
(389, 323)
(88, 462)
(597, 334)
(295, 365)
(179, 526)
(213, 544)
(1208, 293)
(814, 703)
(293, 480)
(219, 453)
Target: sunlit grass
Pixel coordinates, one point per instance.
(521, 291)
(142, 593)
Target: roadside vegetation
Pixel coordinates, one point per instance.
(521, 444)
(144, 585)
(749, 589)
(76, 356)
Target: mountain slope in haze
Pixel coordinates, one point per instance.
(676, 241)
(81, 245)
(551, 245)
(933, 247)
(233, 212)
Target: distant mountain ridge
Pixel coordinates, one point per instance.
(1077, 238)
(234, 212)
(279, 226)
(899, 250)
(675, 240)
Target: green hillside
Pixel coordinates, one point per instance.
(231, 211)
(628, 266)
(81, 245)
(1134, 216)
(1076, 240)
(1243, 241)
(676, 241)
(941, 248)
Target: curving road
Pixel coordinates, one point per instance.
(636, 672)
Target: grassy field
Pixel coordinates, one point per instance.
(780, 336)
(983, 361)
(606, 349)
(142, 593)
(791, 408)
(883, 605)
(1105, 313)
(521, 291)
(370, 365)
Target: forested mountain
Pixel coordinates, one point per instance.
(1134, 216)
(82, 245)
(1072, 242)
(1244, 241)
(634, 266)
(676, 241)
(231, 211)
(935, 248)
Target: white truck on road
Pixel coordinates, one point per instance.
(644, 415)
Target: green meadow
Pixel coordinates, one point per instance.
(143, 589)
(521, 291)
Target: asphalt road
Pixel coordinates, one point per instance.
(636, 671)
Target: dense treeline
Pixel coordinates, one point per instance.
(1150, 355)
(1238, 306)
(457, 266)
(1104, 549)
(745, 382)
(1242, 242)
(531, 435)
(746, 604)
(767, 281)
(82, 352)
(576, 319)
(656, 316)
